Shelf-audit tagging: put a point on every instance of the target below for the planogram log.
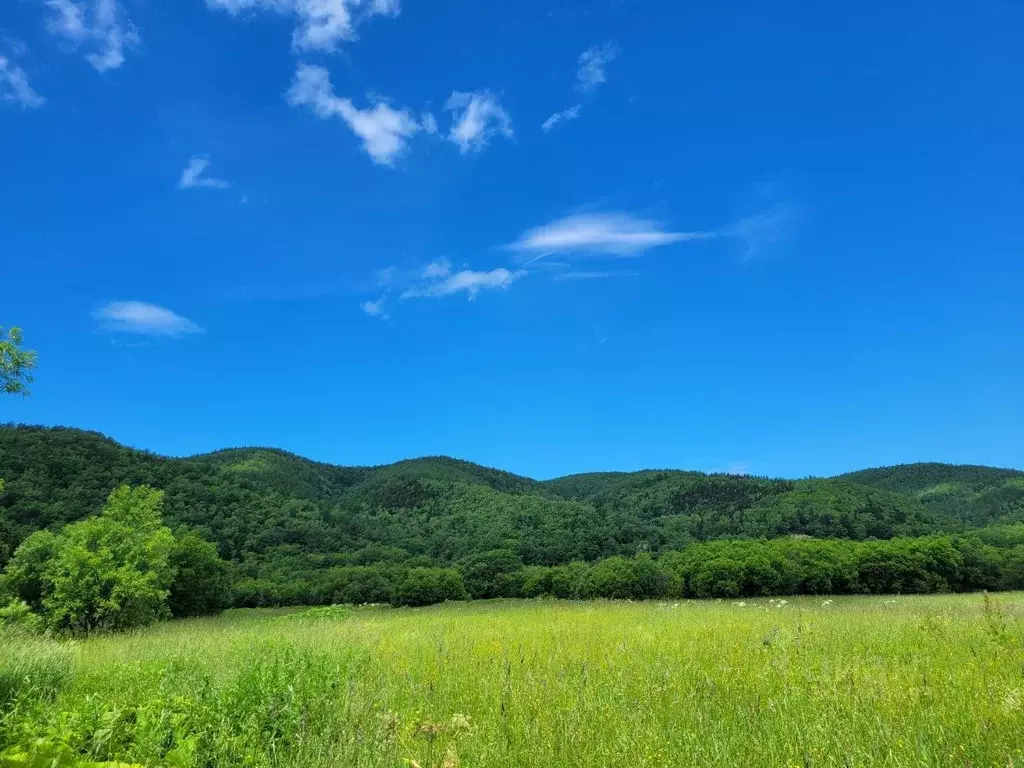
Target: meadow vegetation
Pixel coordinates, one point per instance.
(850, 681)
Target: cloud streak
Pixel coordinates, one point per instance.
(559, 117)
(466, 281)
(383, 130)
(101, 26)
(607, 234)
(14, 86)
(145, 319)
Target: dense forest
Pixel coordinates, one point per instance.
(298, 531)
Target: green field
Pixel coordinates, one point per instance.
(871, 681)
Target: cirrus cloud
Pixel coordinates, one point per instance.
(14, 86)
(143, 318)
(466, 281)
(592, 63)
(609, 234)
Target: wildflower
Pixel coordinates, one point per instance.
(782, 602)
(827, 602)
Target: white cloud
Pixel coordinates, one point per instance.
(467, 281)
(322, 24)
(99, 25)
(146, 319)
(565, 115)
(592, 66)
(384, 131)
(385, 276)
(14, 86)
(192, 177)
(437, 268)
(374, 308)
(615, 234)
(429, 123)
(476, 119)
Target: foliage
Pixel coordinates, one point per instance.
(112, 571)
(300, 532)
(202, 581)
(426, 586)
(16, 364)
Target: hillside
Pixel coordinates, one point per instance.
(264, 507)
(969, 494)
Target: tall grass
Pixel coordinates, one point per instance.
(32, 667)
(914, 681)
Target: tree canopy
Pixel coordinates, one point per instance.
(16, 364)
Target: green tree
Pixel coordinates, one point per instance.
(112, 571)
(25, 576)
(202, 581)
(16, 364)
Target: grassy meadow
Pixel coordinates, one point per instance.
(855, 681)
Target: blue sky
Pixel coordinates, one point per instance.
(780, 238)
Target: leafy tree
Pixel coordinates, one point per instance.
(112, 571)
(16, 364)
(426, 586)
(202, 581)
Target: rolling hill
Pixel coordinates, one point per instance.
(263, 506)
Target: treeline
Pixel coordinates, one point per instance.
(124, 568)
(990, 559)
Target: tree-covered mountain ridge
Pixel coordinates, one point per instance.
(262, 505)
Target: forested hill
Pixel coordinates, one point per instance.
(263, 507)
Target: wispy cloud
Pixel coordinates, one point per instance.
(429, 122)
(101, 26)
(765, 229)
(593, 62)
(564, 116)
(14, 86)
(192, 177)
(322, 24)
(384, 131)
(476, 119)
(145, 319)
(609, 234)
(374, 308)
(466, 281)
